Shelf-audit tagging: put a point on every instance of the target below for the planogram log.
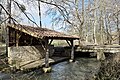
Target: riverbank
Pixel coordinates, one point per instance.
(110, 69)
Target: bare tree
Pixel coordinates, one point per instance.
(94, 20)
(39, 13)
(95, 23)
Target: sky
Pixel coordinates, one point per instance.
(46, 20)
(32, 9)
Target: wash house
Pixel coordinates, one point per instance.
(28, 45)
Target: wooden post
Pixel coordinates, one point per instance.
(7, 39)
(47, 58)
(17, 38)
(9, 22)
(47, 68)
(72, 51)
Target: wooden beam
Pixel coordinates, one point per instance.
(7, 39)
(46, 54)
(50, 41)
(68, 43)
(9, 22)
(46, 68)
(72, 51)
(17, 38)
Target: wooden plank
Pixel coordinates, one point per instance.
(95, 48)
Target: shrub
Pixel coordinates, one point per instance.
(110, 68)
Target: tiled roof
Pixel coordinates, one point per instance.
(42, 32)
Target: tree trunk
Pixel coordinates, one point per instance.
(101, 23)
(95, 24)
(39, 13)
(80, 20)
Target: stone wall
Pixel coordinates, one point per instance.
(62, 51)
(23, 55)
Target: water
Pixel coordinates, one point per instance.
(81, 69)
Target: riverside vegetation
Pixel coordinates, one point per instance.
(110, 68)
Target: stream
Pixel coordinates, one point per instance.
(81, 69)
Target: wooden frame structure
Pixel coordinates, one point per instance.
(22, 35)
(70, 43)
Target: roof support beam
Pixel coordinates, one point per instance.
(46, 54)
(17, 38)
(68, 42)
(46, 68)
(72, 51)
(50, 41)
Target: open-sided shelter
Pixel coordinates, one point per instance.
(28, 44)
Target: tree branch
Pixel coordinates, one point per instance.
(60, 10)
(25, 13)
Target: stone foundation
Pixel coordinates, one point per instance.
(23, 55)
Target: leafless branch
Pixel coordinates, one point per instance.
(26, 14)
